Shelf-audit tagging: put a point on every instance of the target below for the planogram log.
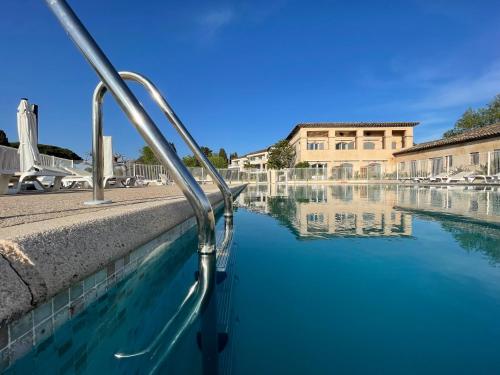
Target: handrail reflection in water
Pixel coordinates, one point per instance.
(198, 302)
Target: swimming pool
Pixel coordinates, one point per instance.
(347, 279)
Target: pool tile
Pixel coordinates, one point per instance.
(21, 346)
(21, 326)
(88, 283)
(100, 276)
(42, 312)
(119, 264)
(61, 300)
(61, 317)
(4, 359)
(4, 336)
(76, 290)
(76, 307)
(101, 290)
(90, 297)
(110, 269)
(43, 331)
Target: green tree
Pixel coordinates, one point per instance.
(281, 155)
(190, 161)
(218, 161)
(206, 151)
(302, 164)
(51, 150)
(147, 156)
(233, 155)
(223, 154)
(472, 119)
(4, 141)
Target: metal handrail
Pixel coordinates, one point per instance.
(97, 148)
(205, 286)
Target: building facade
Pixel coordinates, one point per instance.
(382, 150)
(256, 160)
(476, 151)
(351, 149)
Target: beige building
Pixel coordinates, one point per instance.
(351, 149)
(256, 160)
(477, 150)
(378, 150)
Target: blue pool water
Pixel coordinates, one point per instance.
(327, 279)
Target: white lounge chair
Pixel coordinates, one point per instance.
(5, 177)
(165, 180)
(30, 169)
(460, 177)
(487, 178)
(81, 177)
(439, 177)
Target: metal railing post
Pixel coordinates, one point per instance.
(205, 298)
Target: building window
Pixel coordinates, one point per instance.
(315, 146)
(369, 146)
(394, 145)
(436, 166)
(318, 134)
(344, 146)
(474, 158)
(449, 161)
(315, 218)
(402, 166)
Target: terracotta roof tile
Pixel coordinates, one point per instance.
(349, 125)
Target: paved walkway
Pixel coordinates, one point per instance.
(33, 207)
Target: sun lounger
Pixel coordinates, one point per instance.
(5, 177)
(35, 175)
(460, 177)
(80, 178)
(83, 178)
(165, 180)
(487, 179)
(439, 177)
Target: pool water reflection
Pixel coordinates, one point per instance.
(356, 279)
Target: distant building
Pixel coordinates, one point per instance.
(256, 160)
(371, 150)
(474, 150)
(351, 149)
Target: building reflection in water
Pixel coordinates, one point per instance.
(330, 210)
(471, 215)
(367, 210)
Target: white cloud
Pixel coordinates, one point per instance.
(462, 92)
(214, 21)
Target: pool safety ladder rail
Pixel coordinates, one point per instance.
(201, 299)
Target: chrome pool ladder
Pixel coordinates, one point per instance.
(201, 299)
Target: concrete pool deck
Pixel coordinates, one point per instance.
(50, 240)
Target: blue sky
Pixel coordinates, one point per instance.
(241, 74)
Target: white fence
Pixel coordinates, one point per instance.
(147, 171)
(9, 160)
(480, 163)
